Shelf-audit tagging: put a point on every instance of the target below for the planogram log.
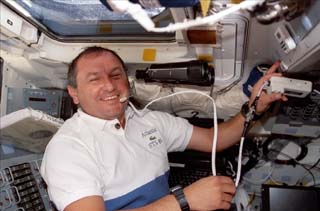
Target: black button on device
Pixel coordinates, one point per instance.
(177, 191)
(117, 126)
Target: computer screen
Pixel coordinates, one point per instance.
(289, 198)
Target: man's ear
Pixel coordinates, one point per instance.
(74, 94)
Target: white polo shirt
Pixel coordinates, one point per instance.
(127, 167)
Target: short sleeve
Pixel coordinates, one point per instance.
(69, 171)
(177, 131)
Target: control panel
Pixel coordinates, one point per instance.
(299, 117)
(22, 187)
(48, 101)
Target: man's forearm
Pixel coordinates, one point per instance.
(229, 132)
(167, 203)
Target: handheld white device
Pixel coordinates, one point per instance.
(289, 86)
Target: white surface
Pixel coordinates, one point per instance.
(29, 129)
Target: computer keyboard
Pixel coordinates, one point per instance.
(188, 167)
(184, 177)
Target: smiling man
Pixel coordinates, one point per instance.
(108, 158)
(99, 84)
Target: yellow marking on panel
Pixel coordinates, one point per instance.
(205, 4)
(105, 28)
(149, 54)
(205, 57)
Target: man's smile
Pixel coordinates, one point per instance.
(109, 98)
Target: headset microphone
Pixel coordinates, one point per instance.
(123, 99)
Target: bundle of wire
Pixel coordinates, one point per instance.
(215, 124)
(215, 128)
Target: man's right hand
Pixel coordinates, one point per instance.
(210, 193)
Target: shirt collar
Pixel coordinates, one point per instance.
(102, 123)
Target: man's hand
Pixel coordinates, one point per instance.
(210, 193)
(266, 99)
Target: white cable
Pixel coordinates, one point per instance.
(135, 10)
(316, 91)
(215, 121)
(137, 13)
(231, 169)
(265, 83)
(239, 162)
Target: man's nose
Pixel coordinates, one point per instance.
(108, 84)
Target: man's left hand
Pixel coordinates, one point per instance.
(266, 99)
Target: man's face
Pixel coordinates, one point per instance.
(101, 82)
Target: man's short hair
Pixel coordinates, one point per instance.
(72, 71)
